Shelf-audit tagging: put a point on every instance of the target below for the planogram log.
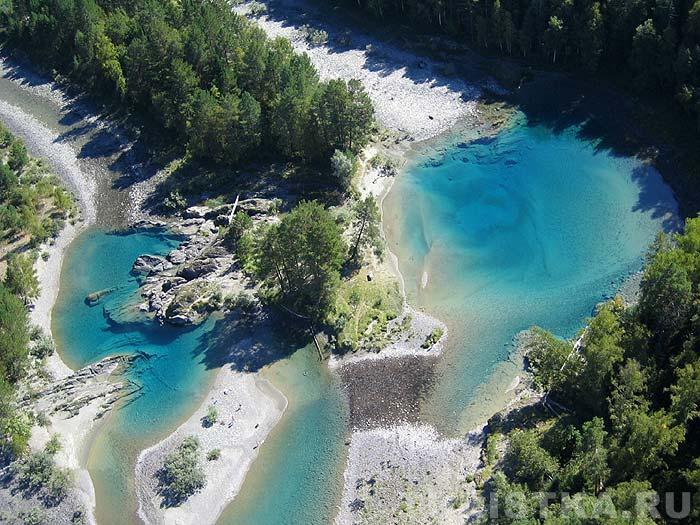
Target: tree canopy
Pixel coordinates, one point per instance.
(205, 74)
(655, 44)
(627, 396)
(301, 259)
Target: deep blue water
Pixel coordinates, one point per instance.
(521, 229)
(527, 227)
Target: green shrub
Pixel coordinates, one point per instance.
(175, 201)
(5, 137)
(433, 337)
(214, 454)
(42, 419)
(240, 224)
(242, 301)
(35, 516)
(344, 166)
(34, 471)
(211, 416)
(60, 482)
(257, 8)
(18, 156)
(15, 431)
(38, 473)
(43, 347)
(314, 37)
(53, 445)
(182, 474)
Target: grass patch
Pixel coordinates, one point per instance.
(433, 337)
(362, 310)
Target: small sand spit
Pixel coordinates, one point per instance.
(248, 408)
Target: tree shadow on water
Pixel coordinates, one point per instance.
(656, 198)
(249, 342)
(623, 125)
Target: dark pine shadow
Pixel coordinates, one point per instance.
(249, 342)
(623, 125)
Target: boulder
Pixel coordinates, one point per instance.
(196, 212)
(177, 256)
(221, 220)
(179, 320)
(196, 269)
(208, 227)
(170, 283)
(148, 264)
(255, 206)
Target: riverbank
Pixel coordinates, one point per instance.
(41, 141)
(248, 409)
(78, 428)
(416, 103)
(412, 95)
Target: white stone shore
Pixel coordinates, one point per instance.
(409, 474)
(410, 94)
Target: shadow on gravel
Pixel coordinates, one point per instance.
(386, 51)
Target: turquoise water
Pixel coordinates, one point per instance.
(300, 466)
(298, 475)
(172, 376)
(527, 227)
(524, 228)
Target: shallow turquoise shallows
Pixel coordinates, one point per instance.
(172, 374)
(495, 235)
(298, 475)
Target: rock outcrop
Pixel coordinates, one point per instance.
(150, 264)
(92, 382)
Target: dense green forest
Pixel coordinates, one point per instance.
(654, 43)
(623, 407)
(207, 75)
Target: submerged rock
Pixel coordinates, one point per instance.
(94, 298)
(196, 212)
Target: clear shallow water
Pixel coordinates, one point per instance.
(297, 478)
(173, 377)
(524, 228)
(528, 228)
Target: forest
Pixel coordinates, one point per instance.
(208, 76)
(622, 407)
(653, 44)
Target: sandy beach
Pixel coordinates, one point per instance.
(248, 409)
